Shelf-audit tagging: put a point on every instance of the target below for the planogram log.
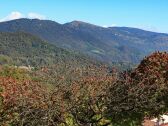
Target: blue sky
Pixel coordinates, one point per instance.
(146, 14)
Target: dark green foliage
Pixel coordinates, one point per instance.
(25, 49)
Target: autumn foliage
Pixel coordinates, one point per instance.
(141, 92)
(95, 97)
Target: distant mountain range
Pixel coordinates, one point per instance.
(112, 44)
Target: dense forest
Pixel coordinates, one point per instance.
(25, 49)
(91, 96)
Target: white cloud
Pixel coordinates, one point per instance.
(16, 15)
(36, 16)
(105, 26)
(13, 15)
(112, 25)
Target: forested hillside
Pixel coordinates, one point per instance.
(25, 49)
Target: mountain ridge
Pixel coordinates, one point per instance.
(112, 44)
